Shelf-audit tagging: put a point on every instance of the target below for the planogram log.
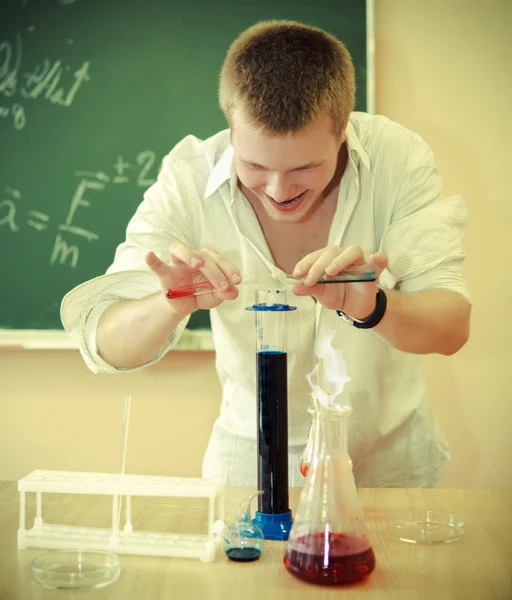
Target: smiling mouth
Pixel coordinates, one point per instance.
(288, 204)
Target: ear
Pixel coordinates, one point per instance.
(343, 137)
(343, 134)
(341, 140)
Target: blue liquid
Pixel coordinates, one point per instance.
(273, 432)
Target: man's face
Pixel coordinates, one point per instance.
(288, 173)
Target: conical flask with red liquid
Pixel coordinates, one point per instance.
(329, 542)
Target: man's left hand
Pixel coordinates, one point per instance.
(356, 299)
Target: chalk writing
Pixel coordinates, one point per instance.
(45, 80)
(8, 210)
(17, 112)
(10, 214)
(61, 251)
(145, 161)
(120, 166)
(98, 175)
(38, 220)
(14, 193)
(79, 200)
(90, 184)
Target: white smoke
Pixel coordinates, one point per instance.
(328, 378)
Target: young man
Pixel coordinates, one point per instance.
(299, 185)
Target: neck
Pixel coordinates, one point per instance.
(341, 165)
(326, 203)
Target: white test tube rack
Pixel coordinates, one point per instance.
(125, 541)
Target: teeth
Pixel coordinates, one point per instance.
(293, 199)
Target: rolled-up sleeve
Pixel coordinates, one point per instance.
(165, 215)
(133, 285)
(425, 239)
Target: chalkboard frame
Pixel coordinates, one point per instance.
(192, 339)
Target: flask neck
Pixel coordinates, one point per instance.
(330, 424)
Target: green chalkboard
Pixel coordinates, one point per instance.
(93, 94)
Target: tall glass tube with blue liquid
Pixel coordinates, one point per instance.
(274, 515)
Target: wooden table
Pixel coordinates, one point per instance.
(479, 566)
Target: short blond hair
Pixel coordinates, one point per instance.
(284, 74)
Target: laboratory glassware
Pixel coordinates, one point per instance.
(274, 516)
(329, 542)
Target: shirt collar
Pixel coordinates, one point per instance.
(224, 169)
(221, 172)
(355, 146)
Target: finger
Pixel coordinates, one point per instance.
(205, 260)
(230, 294)
(230, 271)
(379, 260)
(317, 291)
(212, 271)
(303, 266)
(351, 256)
(156, 265)
(206, 301)
(317, 270)
(185, 254)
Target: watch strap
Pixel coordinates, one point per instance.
(374, 319)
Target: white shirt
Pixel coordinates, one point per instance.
(390, 199)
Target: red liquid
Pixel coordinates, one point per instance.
(187, 291)
(330, 559)
(173, 294)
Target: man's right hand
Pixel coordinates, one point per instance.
(189, 267)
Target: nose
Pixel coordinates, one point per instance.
(279, 189)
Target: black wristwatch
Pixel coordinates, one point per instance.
(374, 319)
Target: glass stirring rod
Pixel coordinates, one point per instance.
(206, 287)
(124, 443)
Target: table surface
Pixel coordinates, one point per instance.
(479, 566)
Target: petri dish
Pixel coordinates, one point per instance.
(426, 526)
(75, 569)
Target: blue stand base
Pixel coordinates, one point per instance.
(274, 527)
